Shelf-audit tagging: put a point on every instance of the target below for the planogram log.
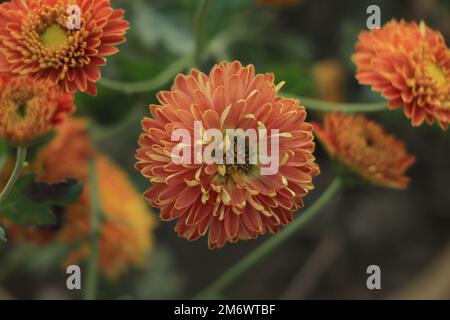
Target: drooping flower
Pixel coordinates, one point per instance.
(227, 201)
(409, 65)
(365, 149)
(65, 41)
(125, 236)
(126, 230)
(30, 108)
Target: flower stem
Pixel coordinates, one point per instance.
(346, 107)
(148, 85)
(20, 162)
(90, 292)
(271, 244)
(198, 30)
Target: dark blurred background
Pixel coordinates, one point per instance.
(308, 45)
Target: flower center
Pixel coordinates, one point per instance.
(53, 37)
(236, 167)
(437, 74)
(21, 110)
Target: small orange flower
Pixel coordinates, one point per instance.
(364, 148)
(329, 78)
(30, 108)
(37, 39)
(230, 201)
(409, 65)
(127, 223)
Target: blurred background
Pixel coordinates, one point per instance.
(308, 44)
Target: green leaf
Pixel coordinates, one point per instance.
(32, 203)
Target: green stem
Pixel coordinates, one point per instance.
(319, 105)
(198, 30)
(152, 84)
(20, 162)
(271, 244)
(92, 266)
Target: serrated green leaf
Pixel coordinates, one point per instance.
(31, 202)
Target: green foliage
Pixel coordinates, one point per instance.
(2, 234)
(41, 142)
(3, 153)
(31, 202)
(156, 29)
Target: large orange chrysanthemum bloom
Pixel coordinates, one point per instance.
(41, 38)
(231, 201)
(126, 229)
(365, 149)
(30, 108)
(409, 65)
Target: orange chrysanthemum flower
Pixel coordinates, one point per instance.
(125, 234)
(231, 201)
(365, 149)
(126, 231)
(41, 38)
(409, 65)
(30, 108)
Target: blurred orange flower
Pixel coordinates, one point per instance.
(35, 39)
(125, 234)
(409, 65)
(230, 201)
(127, 223)
(30, 108)
(364, 148)
(329, 78)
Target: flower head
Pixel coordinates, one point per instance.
(30, 108)
(227, 201)
(43, 38)
(365, 149)
(125, 236)
(409, 65)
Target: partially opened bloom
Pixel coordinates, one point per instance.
(365, 149)
(125, 237)
(229, 201)
(43, 38)
(409, 65)
(30, 108)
